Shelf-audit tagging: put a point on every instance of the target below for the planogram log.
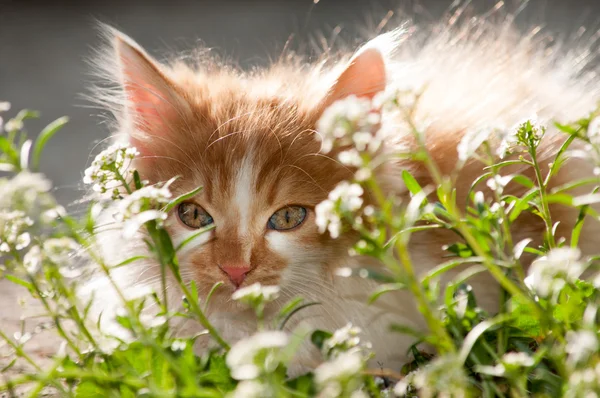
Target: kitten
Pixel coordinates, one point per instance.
(250, 139)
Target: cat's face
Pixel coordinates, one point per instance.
(250, 142)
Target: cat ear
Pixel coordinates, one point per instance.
(364, 76)
(152, 102)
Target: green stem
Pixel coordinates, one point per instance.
(543, 202)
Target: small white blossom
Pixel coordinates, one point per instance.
(341, 370)
(32, 261)
(109, 168)
(53, 214)
(584, 383)
(362, 174)
(581, 344)
(27, 192)
(361, 140)
(548, 274)
(593, 131)
(249, 357)
(60, 250)
(343, 339)
(345, 197)
(4, 106)
(256, 292)
(508, 140)
(403, 386)
(344, 118)
(344, 272)
(143, 199)
(328, 219)
(251, 389)
(471, 141)
(497, 182)
(13, 235)
(350, 157)
(517, 359)
(13, 125)
(403, 95)
(178, 345)
(348, 195)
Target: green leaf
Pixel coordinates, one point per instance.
(460, 249)
(212, 290)
(41, 141)
(318, 337)
(19, 281)
(447, 266)
(411, 184)
(383, 289)
(181, 198)
(190, 238)
(129, 261)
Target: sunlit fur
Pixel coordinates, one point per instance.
(249, 139)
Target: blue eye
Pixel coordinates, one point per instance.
(194, 216)
(287, 218)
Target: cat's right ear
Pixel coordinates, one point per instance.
(153, 103)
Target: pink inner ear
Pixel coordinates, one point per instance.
(153, 104)
(149, 111)
(364, 77)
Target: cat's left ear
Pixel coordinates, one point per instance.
(153, 103)
(364, 76)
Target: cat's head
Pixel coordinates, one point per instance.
(249, 140)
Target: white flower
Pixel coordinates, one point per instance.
(4, 106)
(548, 274)
(401, 388)
(53, 214)
(343, 339)
(350, 157)
(471, 141)
(135, 222)
(347, 195)
(328, 219)
(344, 118)
(581, 344)
(248, 358)
(145, 198)
(363, 174)
(109, 168)
(13, 125)
(403, 95)
(25, 191)
(256, 292)
(33, 260)
(517, 359)
(60, 250)
(12, 230)
(361, 140)
(593, 131)
(508, 139)
(251, 389)
(497, 183)
(178, 345)
(340, 369)
(584, 383)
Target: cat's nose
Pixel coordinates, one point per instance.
(236, 272)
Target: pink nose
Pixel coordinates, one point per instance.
(236, 272)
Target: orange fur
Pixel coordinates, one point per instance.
(224, 129)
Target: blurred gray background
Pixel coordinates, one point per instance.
(44, 43)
